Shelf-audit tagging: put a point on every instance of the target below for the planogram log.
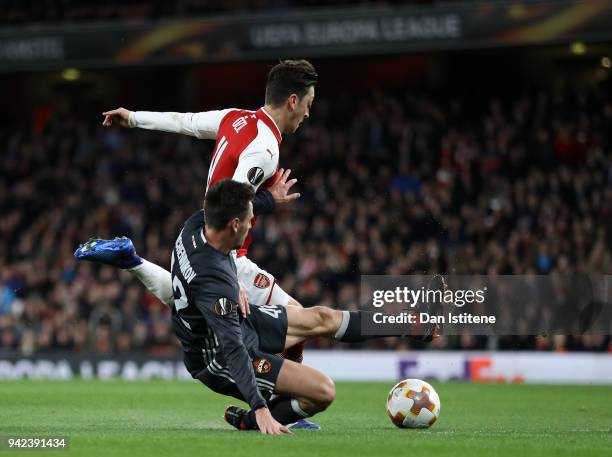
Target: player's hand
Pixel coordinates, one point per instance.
(119, 115)
(267, 424)
(244, 303)
(280, 189)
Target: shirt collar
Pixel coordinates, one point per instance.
(271, 123)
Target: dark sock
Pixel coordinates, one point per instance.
(249, 420)
(350, 328)
(281, 409)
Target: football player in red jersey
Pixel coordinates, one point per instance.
(246, 150)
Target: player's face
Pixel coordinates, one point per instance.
(302, 108)
(243, 227)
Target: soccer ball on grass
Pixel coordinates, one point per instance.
(413, 403)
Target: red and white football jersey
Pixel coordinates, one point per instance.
(246, 149)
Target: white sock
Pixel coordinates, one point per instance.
(295, 406)
(157, 280)
(346, 317)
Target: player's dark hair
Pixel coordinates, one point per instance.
(226, 200)
(289, 77)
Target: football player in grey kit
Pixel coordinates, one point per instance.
(230, 346)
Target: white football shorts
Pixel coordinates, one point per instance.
(260, 286)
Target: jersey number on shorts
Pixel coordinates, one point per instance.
(270, 310)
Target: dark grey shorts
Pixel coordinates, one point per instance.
(264, 333)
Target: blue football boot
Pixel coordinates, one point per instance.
(235, 416)
(304, 424)
(118, 252)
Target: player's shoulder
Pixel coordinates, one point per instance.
(206, 260)
(233, 113)
(266, 138)
(239, 120)
(191, 240)
(266, 141)
(195, 221)
(251, 128)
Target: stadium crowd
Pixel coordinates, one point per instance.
(405, 184)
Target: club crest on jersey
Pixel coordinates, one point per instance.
(261, 281)
(224, 306)
(262, 366)
(255, 176)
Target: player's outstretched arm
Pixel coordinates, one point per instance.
(203, 125)
(119, 116)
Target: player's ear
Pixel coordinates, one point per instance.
(234, 225)
(293, 100)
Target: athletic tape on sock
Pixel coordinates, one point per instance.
(295, 406)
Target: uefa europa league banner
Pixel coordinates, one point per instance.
(308, 34)
(351, 365)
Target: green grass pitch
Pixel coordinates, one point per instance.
(182, 418)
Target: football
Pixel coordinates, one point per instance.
(413, 403)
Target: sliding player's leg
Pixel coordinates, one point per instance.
(318, 321)
(296, 400)
(262, 289)
(310, 391)
(344, 326)
(156, 279)
(260, 286)
(120, 253)
(299, 392)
